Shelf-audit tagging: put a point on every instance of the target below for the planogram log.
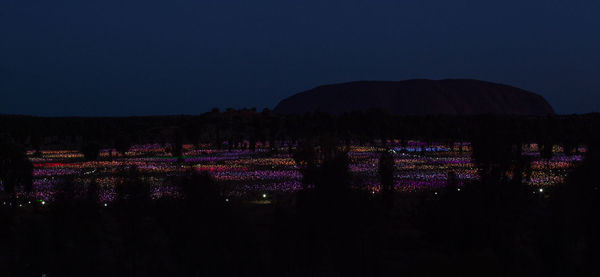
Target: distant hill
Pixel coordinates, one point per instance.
(418, 97)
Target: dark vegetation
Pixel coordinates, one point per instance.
(497, 226)
(246, 128)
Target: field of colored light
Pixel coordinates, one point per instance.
(250, 173)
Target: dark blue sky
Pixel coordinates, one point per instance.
(142, 57)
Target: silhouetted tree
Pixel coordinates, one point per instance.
(193, 134)
(91, 151)
(489, 214)
(494, 151)
(133, 202)
(72, 246)
(546, 149)
(573, 243)
(201, 227)
(122, 144)
(386, 177)
(176, 146)
(333, 174)
(93, 191)
(15, 167)
(176, 150)
(306, 159)
(199, 188)
(452, 181)
(36, 143)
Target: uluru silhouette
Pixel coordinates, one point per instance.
(418, 97)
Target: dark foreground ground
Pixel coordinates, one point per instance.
(474, 231)
(494, 225)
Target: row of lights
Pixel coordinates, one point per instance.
(44, 203)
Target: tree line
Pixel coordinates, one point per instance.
(245, 128)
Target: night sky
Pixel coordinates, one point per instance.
(134, 57)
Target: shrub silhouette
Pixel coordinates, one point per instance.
(386, 176)
(91, 151)
(122, 144)
(574, 242)
(15, 168)
(486, 218)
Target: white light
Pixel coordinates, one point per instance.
(226, 199)
(264, 195)
(43, 202)
(458, 189)
(373, 192)
(29, 202)
(436, 193)
(105, 204)
(541, 190)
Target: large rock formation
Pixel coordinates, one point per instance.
(418, 97)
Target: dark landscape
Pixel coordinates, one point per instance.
(299, 138)
(242, 192)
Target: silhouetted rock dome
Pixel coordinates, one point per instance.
(418, 97)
